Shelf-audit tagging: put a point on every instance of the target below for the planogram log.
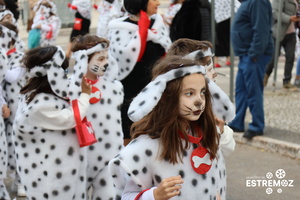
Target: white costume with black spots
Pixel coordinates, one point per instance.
(107, 12)
(138, 162)
(49, 160)
(3, 142)
(83, 7)
(20, 45)
(105, 117)
(49, 25)
(125, 41)
(14, 81)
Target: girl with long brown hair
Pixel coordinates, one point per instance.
(175, 151)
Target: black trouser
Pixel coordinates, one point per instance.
(289, 45)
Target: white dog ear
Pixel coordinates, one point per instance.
(146, 100)
(222, 107)
(56, 75)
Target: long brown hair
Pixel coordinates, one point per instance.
(88, 41)
(164, 121)
(37, 57)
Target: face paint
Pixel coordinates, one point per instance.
(98, 64)
(210, 71)
(192, 97)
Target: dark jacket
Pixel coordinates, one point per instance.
(251, 29)
(192, 21)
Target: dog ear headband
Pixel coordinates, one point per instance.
(6, 36)
(56, 75)
(198, 54)
(148, 98)
(81, 57)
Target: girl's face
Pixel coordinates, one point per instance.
(210, 70)
(98, 64)
(152, 7)
(192, 97)
(7, 18)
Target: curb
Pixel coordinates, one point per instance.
(288, 149)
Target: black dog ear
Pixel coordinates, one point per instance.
(199, 55)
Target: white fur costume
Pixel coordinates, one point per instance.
(14, 81)
(139, 161)
(83, 7)
(3, 147)
(50, 162)
(107, 12)
(125, 41)
(105, 117)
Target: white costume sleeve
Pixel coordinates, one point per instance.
(2, 100)
(14, 74)
(131, 190)
(227, 141)
(62, 119)
(47, 27)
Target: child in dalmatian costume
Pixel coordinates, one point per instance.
(201, 52)
(13, 82)
(8, 16)
(137, 42)
(49, 160)
(175, 142)
(91, 55)
(108, 10)
(3, 141)
(48, 22)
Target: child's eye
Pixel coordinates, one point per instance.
(189, 94)
(203, 92)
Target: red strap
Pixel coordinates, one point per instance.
(143, 24)
(76, 111)
(72, 6)
(11, 51)
(140, 194)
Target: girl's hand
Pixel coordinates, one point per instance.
(86, 87)
(168, 188)
(220, 123)
(5, 111)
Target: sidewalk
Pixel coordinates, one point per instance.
(282, 131)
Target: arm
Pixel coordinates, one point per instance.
(261, 21)
(227, 141)
(63, 119)
(14, 74)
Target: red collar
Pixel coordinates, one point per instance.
(93, 82)
(11, 51)
(192, 139)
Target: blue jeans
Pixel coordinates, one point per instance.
(249, 93)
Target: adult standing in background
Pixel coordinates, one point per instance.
(137, 42)
(251, 37)
(286, 37)
(192, 21)
(222, 17)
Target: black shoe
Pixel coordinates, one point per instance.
(236, 129)
(250, 134)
